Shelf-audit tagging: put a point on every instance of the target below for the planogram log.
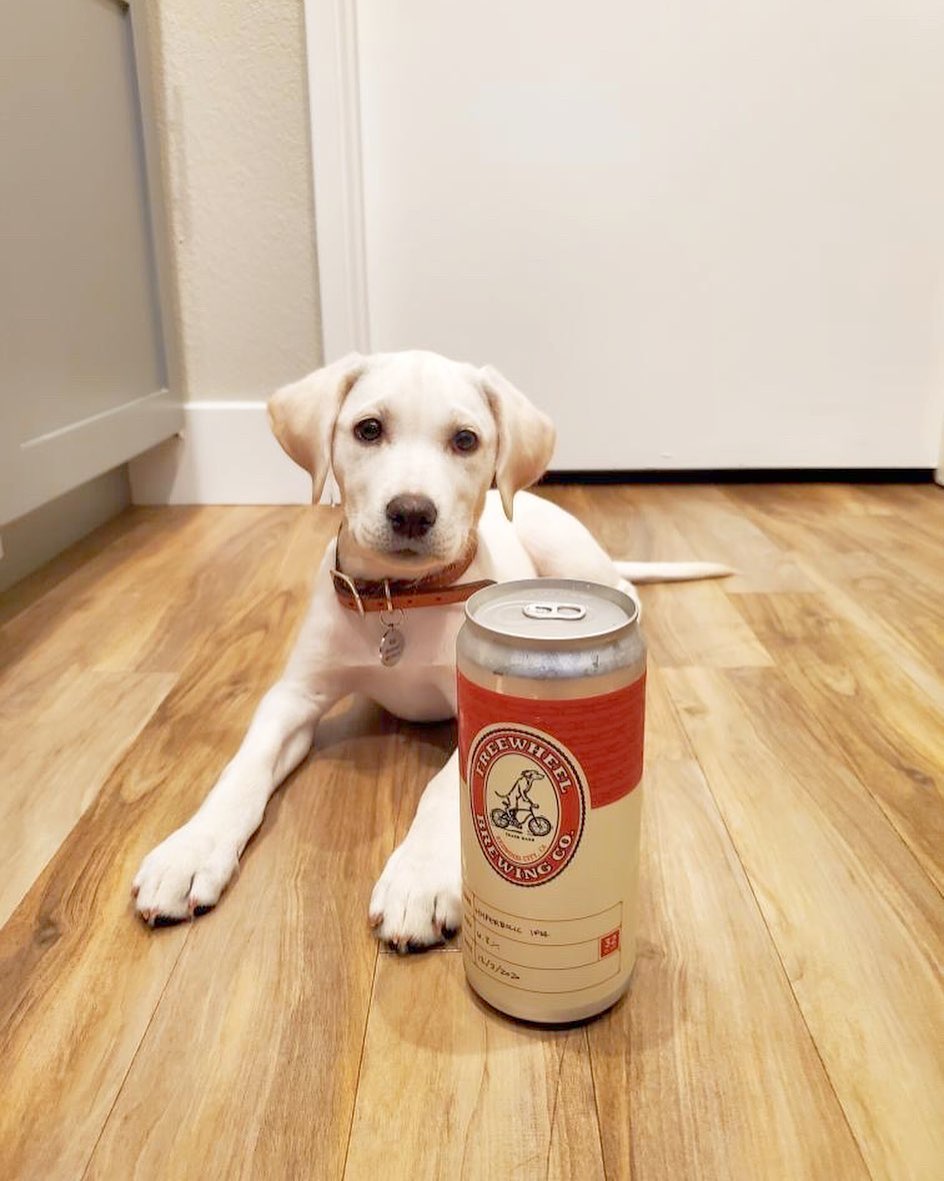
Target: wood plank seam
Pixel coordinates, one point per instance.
(871, 1141)
(483, 1079)
(360, 1061)
(554, 1106)
(131, 1061)
(798, 678)
(878, 803)
(763, 918)
(909, 661)
(596, 1093)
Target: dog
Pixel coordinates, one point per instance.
(415, 442)
(518, 797)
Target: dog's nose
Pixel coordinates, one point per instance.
(411, 516)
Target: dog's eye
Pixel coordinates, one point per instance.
(368, 430)
(465, 441)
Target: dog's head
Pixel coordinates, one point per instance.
(414, 441)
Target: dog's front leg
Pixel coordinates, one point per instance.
(187, 873)
(418, 900)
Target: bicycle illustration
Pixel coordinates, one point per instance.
(517, 800)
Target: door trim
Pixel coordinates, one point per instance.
(334, 99)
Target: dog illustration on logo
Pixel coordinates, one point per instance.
(517, 799)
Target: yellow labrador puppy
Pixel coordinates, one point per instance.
(415, 441)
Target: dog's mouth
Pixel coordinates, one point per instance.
(380, 553)
(420, 549)
(410, 557)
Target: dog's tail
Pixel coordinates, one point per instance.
(671, 571)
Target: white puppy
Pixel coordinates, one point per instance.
(414, 441)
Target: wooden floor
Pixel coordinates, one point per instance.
(786, 1018)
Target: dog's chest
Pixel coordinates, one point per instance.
(420, 684)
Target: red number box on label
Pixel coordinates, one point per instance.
(609, 943)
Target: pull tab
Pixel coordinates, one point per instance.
(567, 611)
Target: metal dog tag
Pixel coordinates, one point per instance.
(392, 643)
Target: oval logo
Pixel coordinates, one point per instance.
(527, 794)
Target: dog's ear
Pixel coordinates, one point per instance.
(302, 415)
(526, 437)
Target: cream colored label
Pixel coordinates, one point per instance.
(543, 956)
(548, 953)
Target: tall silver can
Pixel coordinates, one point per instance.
(551, 690)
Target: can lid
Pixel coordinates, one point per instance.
(552, 610)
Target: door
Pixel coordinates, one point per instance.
(81, 364)
(699, 235)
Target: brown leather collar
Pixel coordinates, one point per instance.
(434, 590)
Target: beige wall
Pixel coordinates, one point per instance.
(228, 85)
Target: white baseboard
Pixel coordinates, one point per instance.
(225, 454)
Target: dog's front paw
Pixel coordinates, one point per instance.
(184, 876)
(417, 902)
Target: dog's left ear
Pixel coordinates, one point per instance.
(302, 415)
(526, 437)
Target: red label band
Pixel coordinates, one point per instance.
(604, 734)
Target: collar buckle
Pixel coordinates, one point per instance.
(351, 586)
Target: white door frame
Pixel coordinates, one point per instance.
(939, 474)
(333, 89)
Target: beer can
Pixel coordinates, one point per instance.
(551, 707)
